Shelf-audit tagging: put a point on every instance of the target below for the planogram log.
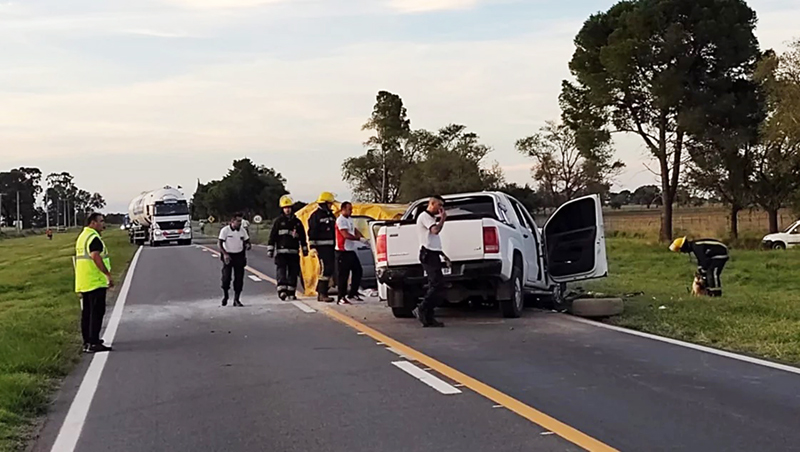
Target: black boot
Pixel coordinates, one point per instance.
(236, 301)
(322, 291)
(225, 298)
(430, 321)
(282, 295)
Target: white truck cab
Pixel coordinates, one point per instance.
(497, 251)
(789, 238)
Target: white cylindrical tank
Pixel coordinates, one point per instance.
(140, 210)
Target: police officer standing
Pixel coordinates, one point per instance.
(286, 240)
(322, 239)
(711, 258)
(234, 241)
(92, 280)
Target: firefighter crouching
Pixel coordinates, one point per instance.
(322, 239)
(286, 240)
(712, 255)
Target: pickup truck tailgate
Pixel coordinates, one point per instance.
(462, 240)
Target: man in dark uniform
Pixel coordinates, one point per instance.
(286, 240)
(234, 242)
(322, 239)
(712, 255)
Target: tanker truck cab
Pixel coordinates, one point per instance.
(171, 222)
(498, 252)
(160, 217)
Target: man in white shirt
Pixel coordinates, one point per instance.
(347, 240)
(234, 241)
(431, 257)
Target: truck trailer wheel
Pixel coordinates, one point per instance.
(511, 309)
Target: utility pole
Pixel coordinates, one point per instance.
(19, 221)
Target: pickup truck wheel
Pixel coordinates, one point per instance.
(403, 313)
(512, 308)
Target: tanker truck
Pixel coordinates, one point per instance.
(160, 217)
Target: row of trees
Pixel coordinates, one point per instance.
(59, 200)
(689, 79)
(720, 118)
(247, 188)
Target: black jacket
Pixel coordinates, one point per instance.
(706, 251)
(288, 236)
(322, 228)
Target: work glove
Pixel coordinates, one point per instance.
(270, 253)
(314, 253)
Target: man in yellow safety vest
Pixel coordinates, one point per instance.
(92, 280)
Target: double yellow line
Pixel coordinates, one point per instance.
(550, 423)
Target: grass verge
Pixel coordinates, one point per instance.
(759, 313)
(39, 324)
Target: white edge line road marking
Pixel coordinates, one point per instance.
(254, 278)
(430, 380)
(702, 348)
(70, 431)
(303, 307)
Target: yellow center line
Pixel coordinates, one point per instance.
(537, 417)
(548, 423)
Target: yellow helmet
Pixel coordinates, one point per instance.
(677, 244)
(286, 201)
(326, 196)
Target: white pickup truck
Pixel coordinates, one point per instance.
(497, 251)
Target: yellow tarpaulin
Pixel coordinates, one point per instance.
(310, 266)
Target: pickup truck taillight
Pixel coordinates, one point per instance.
(380, 246)
(491, 242)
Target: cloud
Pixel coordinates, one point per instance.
(422, 6)
(157, 33)
(222, 4)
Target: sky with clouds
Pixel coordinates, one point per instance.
(131, 95)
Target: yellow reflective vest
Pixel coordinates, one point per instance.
(87, 276)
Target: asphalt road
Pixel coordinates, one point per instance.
(188, 375)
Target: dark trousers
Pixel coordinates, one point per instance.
(93, 309)
(327, 265)
(288, 269)
(236, 267)
(432, 264)
(712, 272)
(348, 263)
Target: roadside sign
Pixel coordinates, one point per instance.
(257, 219)
(211, 219)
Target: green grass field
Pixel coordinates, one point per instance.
(759, 313)
(39, 327)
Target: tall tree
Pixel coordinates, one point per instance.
(777, 157)
(248, 188)
(376, 176)
(449, 161)
(562, 168)
(26, 182)
(649, 66)
(723, 151)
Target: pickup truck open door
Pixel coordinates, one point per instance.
(575, 244)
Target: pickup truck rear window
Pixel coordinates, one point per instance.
(464, 208)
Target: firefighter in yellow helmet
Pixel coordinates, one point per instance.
(711, 254)
(322, 239)
(286, 241)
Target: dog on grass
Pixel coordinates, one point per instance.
(699, 285)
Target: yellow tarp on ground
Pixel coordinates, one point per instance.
(310, 266)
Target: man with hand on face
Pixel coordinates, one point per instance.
(432, 258)
(233, 244)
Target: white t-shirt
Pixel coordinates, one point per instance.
(345, 224)
(428, 239)
(233, 241)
